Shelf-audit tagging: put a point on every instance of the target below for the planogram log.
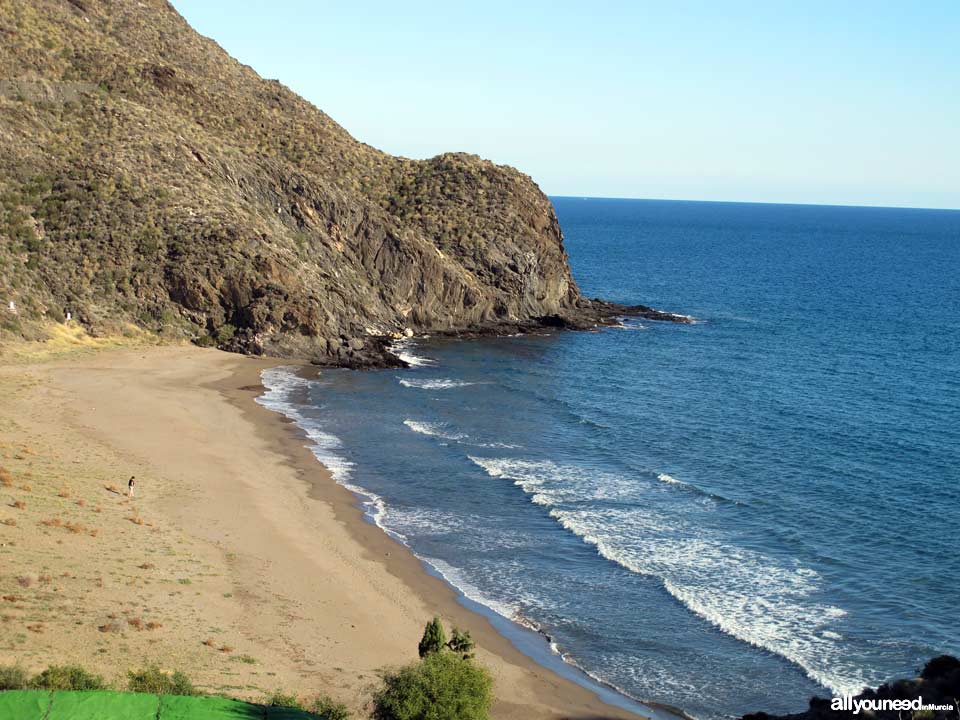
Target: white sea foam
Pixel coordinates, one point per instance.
(456, 578)
(442, 431)
(440, 384)
(280, 383)
(403, 349)
(627, 323)
(669, 479)
(434, 430)
(759, 599)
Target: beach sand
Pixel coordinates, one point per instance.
(239, 560)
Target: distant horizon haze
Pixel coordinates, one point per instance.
(814, 104)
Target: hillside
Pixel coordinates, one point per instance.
(146, 177)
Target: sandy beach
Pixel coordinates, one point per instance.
(239, 560)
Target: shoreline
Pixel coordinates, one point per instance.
(442, 597)
(503, 635)
(239, 561)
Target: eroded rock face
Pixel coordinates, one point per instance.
(147, 177)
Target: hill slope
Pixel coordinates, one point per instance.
(148, 177)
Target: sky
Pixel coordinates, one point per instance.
(842, 102)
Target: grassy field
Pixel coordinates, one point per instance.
(110, 705)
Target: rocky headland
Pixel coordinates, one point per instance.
(149, 179)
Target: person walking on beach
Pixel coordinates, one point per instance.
(130, 486)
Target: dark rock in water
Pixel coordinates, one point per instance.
(938, 685)
(148, 178)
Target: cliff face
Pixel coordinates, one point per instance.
(147, 177)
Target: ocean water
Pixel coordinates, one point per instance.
(727, 516)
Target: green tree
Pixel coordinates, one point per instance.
(441, 686)
(461, 643)
(434, 638)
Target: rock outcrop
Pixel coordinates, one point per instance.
(937, 686)
(146, 177)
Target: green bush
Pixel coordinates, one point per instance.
(67, 677)
(12, 677)
(442, 686)
(434, 638)
(281, 699)
(156, 682)
(225, 333)
(327, 709)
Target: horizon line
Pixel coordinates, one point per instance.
(753, 202)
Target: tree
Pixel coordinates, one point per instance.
(434, 638)
(461, 643)
(441, 686)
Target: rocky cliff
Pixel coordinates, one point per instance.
(146, 177)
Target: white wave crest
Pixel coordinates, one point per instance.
(280, 383)
(669, 479)
(759, 599)
(440, 384)
(434, 430)
(403, 350)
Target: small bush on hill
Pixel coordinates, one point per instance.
(153, 680)
(282, 699)
(442, 685)
(12, 677)
(327, 709)
(67, 677)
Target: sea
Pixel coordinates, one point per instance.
(727, 516)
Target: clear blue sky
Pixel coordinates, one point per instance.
(823, 102)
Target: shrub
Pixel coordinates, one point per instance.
(461, 643)
(12, 677)
(281, 699)
(328, 709)
(434, 638)
(156, 682)
(67, 677)
(442, 685)
(226, 333)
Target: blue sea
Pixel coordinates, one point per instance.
(727, 516)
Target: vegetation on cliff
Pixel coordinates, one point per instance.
(147, 177)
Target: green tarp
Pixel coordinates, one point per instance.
(26, 704)
(109, 705)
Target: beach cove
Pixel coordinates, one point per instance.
(239, 560)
